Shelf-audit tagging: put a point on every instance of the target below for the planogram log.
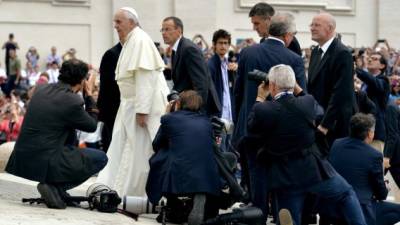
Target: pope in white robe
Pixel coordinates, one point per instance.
(143, 91)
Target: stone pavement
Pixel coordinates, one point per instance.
(14, 212)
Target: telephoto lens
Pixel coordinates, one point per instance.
(138, 205)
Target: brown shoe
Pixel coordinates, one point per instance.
(51, 197)
(284, 217)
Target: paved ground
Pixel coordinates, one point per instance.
(14, 212)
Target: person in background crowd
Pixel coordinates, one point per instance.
(9, 45)
(32, 57)
(53, 57)
(377, 87)
(223, 74)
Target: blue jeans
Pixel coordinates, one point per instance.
(335, 190)
(97, 157)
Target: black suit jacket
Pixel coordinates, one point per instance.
(109, 96)
(365, 173)
(189, 72)
(378, 90)
(214, 66)
(331, 84)
(43, 152)
(261, 57)
(392, 143)
(292, 159)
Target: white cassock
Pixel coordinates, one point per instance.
(143, 90)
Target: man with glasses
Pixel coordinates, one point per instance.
(377, 87)
(330, 78)
(188, 66)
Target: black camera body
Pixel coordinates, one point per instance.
(257, 75)
(102, 198)
(173, 96)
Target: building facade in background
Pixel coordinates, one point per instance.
(86, 25)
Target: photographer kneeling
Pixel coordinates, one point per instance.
(184, 163)
(294, 167)
(45, 149)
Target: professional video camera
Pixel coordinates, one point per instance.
(249, 215)
(258, 75)
(99, 197)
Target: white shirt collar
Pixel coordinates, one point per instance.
(276, 39)
(325, 46)
(280, 94)
(175, 46)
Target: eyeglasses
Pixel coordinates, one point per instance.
(223, 43)
(168, 29)
(374, 58)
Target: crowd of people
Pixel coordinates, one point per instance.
(314, 134)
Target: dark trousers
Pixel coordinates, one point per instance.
(335, 190)
(97, 157)
(258, 183)
(387, 213)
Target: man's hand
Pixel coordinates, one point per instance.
(323, 129)
(141, 119)
(386, 162)
(262, 92)
(232, 66)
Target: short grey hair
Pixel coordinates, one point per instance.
(281, 24)
(283, 77)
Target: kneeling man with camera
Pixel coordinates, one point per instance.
(293, 163)
(45, 150)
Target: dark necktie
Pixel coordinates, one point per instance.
(319, 55)
(172, 59)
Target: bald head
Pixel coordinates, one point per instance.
(322, 28)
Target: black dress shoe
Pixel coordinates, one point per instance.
(51, 197)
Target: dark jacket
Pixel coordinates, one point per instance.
(378, 90)
(262, 57)
(109, 96)
(189, 72)
(392, 143)
(293, 160)
(214, 66)
(361, 166)
(184, 161)
(43, 151)
(364, 104)
(331, 84)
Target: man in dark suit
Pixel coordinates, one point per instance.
(109, 96)
(189, 69)
(223, 75)
(377, 87)
(330, 77)
(294, 166)
(44, 151)
(391, 152)
(366, 173)
(260, 15)
(262, 57)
